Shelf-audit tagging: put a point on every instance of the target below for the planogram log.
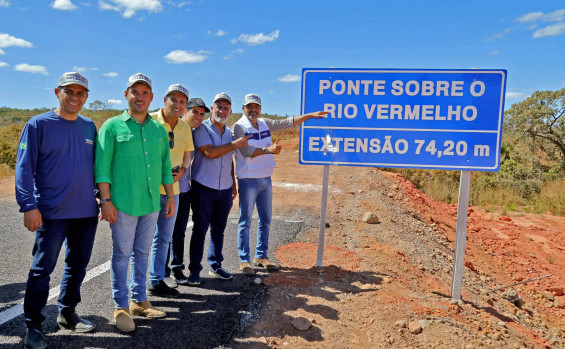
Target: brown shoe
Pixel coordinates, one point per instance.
(123, 319)
(265, 263)
(246, 269)
(146, 309)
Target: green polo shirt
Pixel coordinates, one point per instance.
(135, 160)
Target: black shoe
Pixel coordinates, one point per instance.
(75, 323)
(34, 338)
(162, 290)
(179, 277)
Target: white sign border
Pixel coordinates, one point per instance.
(415, 71)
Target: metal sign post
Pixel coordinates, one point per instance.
(460, 234)
(323, 210)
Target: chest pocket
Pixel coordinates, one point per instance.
(125, 144)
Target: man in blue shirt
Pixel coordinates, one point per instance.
(213, 188)
(55, 191)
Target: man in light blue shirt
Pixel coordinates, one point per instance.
(213, 188)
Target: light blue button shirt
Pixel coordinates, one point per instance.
(213, 173)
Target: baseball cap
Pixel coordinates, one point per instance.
(70, 78)
(177, 88)
(252, 98)
(139, 78)
(197, 102)
(222, 95)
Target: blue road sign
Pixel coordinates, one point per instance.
(430, 119)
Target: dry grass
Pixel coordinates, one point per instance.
(6, 171)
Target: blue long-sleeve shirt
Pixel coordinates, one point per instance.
(55, 167)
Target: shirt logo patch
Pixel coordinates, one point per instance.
(23, 145)
(88, 141)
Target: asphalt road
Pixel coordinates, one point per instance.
(203, 317)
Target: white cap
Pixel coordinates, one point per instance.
(222, 95)
(177, 88)
(252, 98)
(139, 78)
(71, 78)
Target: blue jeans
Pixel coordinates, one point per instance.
(161, 241)
(254, 191)
(210, 209)
(176, 249)
(79, 234)
(131, 238)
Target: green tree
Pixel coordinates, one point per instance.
(97, 105)
(541, 116)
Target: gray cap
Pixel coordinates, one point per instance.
(71, 78)
(177, 88)
(139, 78)
(252, 98)
(222, 95)
(197, 102)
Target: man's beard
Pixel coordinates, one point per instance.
(218, 119)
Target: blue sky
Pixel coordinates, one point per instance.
(261, 46)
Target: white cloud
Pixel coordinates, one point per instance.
(494, 53)
(515, 95)
(221, 33)
(4, 3)
(555, 16)
(257, 39)
(181, 56)
(178, 4)
(2, 53)
(550, 30)
(128, 8)
(114, 101)
(289, 78)
(84, 69)
(63, 5)
(499, 35)
(7, 40)
(233, 53)
(111, 74)
(4, 65)
(34, 69)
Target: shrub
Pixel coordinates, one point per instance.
(9, 138)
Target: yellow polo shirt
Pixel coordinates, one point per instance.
(183, 142)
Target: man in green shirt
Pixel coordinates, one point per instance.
(132, 161)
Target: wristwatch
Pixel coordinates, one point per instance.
(266, 150)
(103, 201)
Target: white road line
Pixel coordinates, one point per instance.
(18, 309)
(303, 187)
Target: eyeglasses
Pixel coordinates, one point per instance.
(171, 140)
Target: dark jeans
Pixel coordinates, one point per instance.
(176, 248)
(210, 208)
(79, 234)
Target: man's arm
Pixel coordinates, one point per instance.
(25, 170)
(297, 120)
(108, 210)
(213, 152)
(102, 171)
(185, 165)
(170, 206)
(234, 185)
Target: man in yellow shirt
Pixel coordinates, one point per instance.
(180, 144)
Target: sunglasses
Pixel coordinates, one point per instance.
(171, 140)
